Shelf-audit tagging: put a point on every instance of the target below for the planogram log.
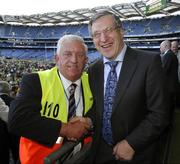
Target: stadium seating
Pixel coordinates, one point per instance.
(38, 42)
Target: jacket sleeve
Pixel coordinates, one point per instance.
(25, 118)
(92, 112)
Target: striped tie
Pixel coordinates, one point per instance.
(72, 104)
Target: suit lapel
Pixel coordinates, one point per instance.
(165, 58)
(99, 80)
(127, 70)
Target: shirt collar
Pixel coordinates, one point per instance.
(166, 51)
(66, 83)
(120, 56)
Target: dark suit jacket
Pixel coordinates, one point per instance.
(170, 68)
(139, 111)
(24, 115)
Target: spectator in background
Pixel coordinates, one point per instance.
(13, 140)
(170, 68)
(128, 130)
(14, 90)
(174, 48)
(40, 113)
(5, 90)
(4, 142)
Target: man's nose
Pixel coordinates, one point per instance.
(103, 37)
(74, 58)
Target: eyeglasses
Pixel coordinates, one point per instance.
(106, 31)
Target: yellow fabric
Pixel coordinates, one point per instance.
(88, 98)
(54, 106)
(53, 96)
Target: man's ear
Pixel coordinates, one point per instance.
(122, 32)
(86, 60)
(56, 57)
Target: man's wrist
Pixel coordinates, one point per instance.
(90, 123)
(63, 130)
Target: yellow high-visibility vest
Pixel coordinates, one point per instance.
(54, 106)
(53, 95)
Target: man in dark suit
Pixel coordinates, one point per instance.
(138, 114)
(175, 49)
(170, 69)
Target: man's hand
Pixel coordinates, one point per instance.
(87, 121)
(123, 151)
(74, 129)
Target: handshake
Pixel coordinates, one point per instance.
(76, 128)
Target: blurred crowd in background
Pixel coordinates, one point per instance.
(12, 70)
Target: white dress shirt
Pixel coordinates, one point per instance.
(78, 94)
(107, 67)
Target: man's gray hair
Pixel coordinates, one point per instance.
(70, 38)
(100, 14)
